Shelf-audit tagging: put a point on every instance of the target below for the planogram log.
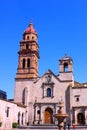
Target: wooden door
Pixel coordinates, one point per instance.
(48, 116)
(80, 118)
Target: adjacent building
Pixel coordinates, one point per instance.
(3, 95)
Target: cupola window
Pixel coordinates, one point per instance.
(27, 37)
(66, 67)
(32, 37)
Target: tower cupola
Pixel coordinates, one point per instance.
(66, 68)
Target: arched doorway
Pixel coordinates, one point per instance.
(80, 118)
(19, 115)
(48, 119)
(22, 118)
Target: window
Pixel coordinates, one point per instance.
(7, 112)
(77, 99)
(48, 92)
(23, 65)
(27, 37)
(32, 37)
(23, 97)
(26, 46)
(28, 63)
(38, 112)
(65, 67)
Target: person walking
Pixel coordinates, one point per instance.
(64, 125)
(68, 126)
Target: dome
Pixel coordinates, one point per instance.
(30, 29)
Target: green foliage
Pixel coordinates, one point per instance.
(14, 125)
(0, 124)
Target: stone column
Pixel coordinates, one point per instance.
(34, 114)
(40, 114)
(73, 116)
(54, 119)
(86, 116)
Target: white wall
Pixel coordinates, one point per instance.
(13, 113)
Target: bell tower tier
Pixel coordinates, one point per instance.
(28, 55)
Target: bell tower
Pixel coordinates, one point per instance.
(66, 69)
(28, 54)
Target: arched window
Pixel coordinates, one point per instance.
(23, 65)
(24, 96)
(66, 67)
(28, 63)
(48, 92)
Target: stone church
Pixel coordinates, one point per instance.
(36, 98)
(41, 94)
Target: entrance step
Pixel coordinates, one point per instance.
(47, 126)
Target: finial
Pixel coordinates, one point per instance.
(31, 20)
(65, 55)
(30, 23)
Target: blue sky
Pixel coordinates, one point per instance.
(61, 27)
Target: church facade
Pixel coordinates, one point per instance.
(36, 98)
(41, 94)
